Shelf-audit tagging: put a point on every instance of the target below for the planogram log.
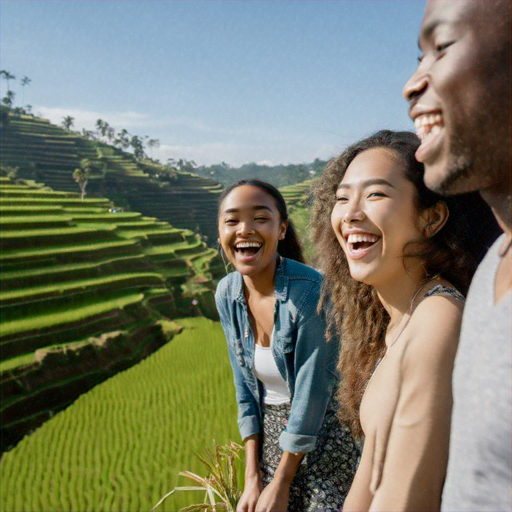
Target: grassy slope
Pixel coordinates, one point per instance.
(121, 445)
(297, 197)
(79, 272)
(49, 154)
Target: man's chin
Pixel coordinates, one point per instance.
(448, 179)
(437, 178)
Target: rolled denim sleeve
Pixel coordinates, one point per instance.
(248, 419)
(315, 361)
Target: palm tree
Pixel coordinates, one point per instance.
(111, 134)
(24, 81)
(89, 134)
(68, 122)
(153, 143)
(81, 175)
(102, 127)
(8, 99)
(7, 77)
(123, 138)
(137, 145)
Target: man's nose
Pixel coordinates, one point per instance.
(415, 86)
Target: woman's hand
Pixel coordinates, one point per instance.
(253, 483)
(274, 497)
(250, 496)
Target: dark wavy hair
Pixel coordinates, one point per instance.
(290, 246)
(356, 312)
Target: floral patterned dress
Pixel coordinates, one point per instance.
(325, 474)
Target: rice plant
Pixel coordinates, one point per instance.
(220, 486)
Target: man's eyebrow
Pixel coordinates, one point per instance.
(254, 208)
(368, 183)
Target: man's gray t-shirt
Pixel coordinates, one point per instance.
(479, 467)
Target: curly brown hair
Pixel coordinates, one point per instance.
(356, 312)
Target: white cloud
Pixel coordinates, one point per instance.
(239, 147)
(203, 154)
(129, 119)
(237, 154)
(87, 118)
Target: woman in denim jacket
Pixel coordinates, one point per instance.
(298, 456)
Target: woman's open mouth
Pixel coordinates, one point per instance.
(248, 248)
(359, 244)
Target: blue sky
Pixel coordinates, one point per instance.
(277, 81)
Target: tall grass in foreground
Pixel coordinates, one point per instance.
(220, 486)
(121, 446)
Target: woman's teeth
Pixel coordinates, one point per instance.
(361, 240)
(248, 247)
(361, 237)
(428, 124)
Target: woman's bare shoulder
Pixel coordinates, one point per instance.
(434, 330)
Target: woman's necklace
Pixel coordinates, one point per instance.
(410, 311)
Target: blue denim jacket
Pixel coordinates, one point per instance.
(304, 358)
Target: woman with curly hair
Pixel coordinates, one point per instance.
(396, 259)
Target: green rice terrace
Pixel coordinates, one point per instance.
(49, 154)
(113, 369)
(297, 199)
(120, 446)
(85, 293)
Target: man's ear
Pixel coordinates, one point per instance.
(434, 219)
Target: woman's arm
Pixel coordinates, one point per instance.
(275, 496)
(417, 451)
(248, 415)
(253, 483)
(315, 361)
(359, 498)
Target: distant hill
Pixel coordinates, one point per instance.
(278, 175)
(49, 154)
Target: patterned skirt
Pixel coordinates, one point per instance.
(325, 474)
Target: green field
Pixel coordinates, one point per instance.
(120, 446)
(86, 292)
(297, 198)
(72, 270)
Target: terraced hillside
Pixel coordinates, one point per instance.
(84, 293)
(49, 154)
(121, 446)
(297, 199)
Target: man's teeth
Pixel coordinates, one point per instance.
(425, 119)
(361, 237)
(428, 124)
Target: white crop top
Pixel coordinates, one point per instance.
(276, 390)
